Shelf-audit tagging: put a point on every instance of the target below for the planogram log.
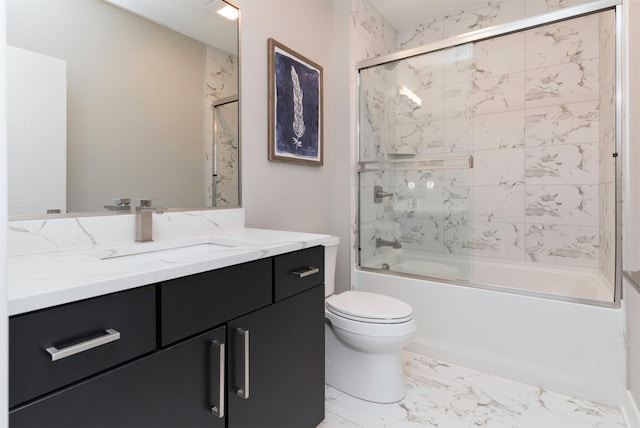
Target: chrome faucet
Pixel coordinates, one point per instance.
(382, 243)
(144, 220)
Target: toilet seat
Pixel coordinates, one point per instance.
(369, 308)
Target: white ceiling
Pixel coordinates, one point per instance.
(405, 14)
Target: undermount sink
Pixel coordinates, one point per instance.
(166, 254)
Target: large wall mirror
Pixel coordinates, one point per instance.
(111, 99)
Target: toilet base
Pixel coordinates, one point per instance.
(371, 376)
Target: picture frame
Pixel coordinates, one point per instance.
(295, 107)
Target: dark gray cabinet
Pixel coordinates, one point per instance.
(231, 352)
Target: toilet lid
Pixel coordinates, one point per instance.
(369, 307)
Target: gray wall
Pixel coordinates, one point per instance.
(135, 101)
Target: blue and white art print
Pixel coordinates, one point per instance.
(295, 110)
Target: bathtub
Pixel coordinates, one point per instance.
(554, 281)
(560, 345)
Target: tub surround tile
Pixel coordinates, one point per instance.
(499, 56)
(494, 13)
(538, 7)
(511, 161)
(498, 203)
(457, 101)
(575, 123)
(499, 93)
(458, 134)
(564, 83)
(504, 130)
(497, 240)
(447, 395)
(576, 205)
(569, 163)
(563, 244)
(423, 34)
(561, 43)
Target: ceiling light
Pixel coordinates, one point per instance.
(229, 12)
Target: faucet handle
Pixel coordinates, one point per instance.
(146, 203)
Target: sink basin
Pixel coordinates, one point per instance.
(168, 254)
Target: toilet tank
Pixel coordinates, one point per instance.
(330, 257)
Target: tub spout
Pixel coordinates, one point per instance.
(382, 243)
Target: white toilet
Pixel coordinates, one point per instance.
(364, 333)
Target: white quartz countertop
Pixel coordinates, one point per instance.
(42, 280)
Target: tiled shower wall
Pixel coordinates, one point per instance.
(221, 82)
(531, 108)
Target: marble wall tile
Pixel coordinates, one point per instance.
(574, 123)
(608, 231)
(565, 83)
(497, 240)
(457, 100)
(563, 244)
(567, 163)
(538, 7)
(424, 234)
(457, 234)
(499, 93)
(457, 201)
(503, 130)
(499, 56)
(498, 204)
(420, 138)
(367, 21)
(458, 132)
(432, 104)
(576, 205)
(564, 42)
(498, 167)
(494, 13)
(423, 34)
(457, 63)
(421, 72)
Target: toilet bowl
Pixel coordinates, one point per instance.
(364, 333)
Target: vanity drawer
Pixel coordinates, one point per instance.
(196, 303)
(298, 271)
(54, 347)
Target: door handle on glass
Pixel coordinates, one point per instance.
(58, 354)
(217, 372)
(243, 391)
(306, 272)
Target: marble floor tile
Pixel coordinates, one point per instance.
(441, 394)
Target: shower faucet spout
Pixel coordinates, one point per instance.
(379, 194)
(393, 244)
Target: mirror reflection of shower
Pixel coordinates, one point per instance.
(223, 155)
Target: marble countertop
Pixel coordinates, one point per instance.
(42, 280)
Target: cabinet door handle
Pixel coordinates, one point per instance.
(58, 354)
(306, 271)
(217, 408)
(243, 391)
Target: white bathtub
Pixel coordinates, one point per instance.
(563, 346)
(554, 280)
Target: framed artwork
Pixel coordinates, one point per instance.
(295, 107)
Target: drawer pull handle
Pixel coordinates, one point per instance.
(306, 272)
(218, 409)
(58, 354)
(243, 392)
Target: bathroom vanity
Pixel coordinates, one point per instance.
(238, 345)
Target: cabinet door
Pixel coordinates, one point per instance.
(285, 382)
(175, 387)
